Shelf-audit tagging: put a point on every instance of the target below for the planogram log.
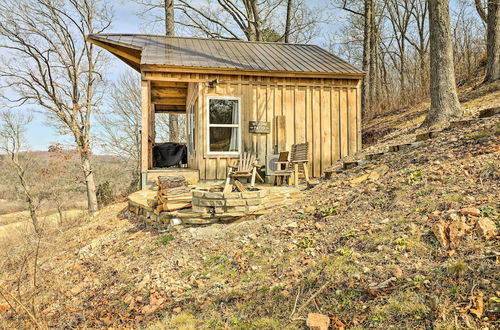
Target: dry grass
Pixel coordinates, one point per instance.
(473, 98)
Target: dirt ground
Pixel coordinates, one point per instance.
(360, 248)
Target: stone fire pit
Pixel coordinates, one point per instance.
(214, 201)
(210, 205)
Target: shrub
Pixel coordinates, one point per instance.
(104, 194)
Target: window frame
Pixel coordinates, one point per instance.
(219, 153)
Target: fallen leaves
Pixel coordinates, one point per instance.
(478, 303)
(475, 306)
(155, 302)
(338, 324)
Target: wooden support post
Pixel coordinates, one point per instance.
(296, 174)
(306, 171)
(254, 173)
(281, 133)
(359, 112)
(145, 125)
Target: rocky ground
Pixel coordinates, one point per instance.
(407, 241)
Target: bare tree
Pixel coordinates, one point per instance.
(493, 41)
(420, 14)
(169, 18)
(400, 14)
(288, 21)
(480, 9)
(444, 99)
(13, 144)
(367, 48)
(251, 20)
(468, 41)
(170, 31)
(125, 112)
(369, 51)
(51, 66)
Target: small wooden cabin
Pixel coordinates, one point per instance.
(242, 96)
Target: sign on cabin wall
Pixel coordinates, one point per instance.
(259, 127)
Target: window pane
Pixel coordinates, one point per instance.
(224, 139)
(223, 111)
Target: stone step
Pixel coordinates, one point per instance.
(349, 164)
(461, 123)
(375, 156)
(426, 136)
(400, 147)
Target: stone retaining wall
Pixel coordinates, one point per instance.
(208, 202)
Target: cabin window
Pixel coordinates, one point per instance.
(224, 125)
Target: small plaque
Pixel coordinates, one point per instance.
(259, 127)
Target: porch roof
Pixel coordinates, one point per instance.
(197, 54)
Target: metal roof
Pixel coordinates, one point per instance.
(229, 54)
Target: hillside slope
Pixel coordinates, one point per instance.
(359, 248)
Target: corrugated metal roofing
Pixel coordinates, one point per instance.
(230, 54)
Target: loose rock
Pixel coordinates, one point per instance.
(317, 321)
(486, 228)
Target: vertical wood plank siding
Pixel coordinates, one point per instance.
(324, 112)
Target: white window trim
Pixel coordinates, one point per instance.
(221, 153)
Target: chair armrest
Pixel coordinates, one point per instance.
(300, 161)
(284, 162)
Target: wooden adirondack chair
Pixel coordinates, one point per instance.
(245, 168)
(283, 169)
(298, 157)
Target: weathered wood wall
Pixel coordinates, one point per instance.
(324, 112)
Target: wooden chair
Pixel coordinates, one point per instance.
(283, 169)
(245, 168)
(298, 157)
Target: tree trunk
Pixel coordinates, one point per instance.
(480, 10)
(444, 99)
(33, 216)
(367, 48)
(493, 41)
(169, 18)
(173, 123)
(374, 81)
(89, 182)
(288, 20)
(256, 19)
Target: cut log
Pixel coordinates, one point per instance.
(184, 197)
(176, 205)
(239, 186)
(183, 190)
(171, 181)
